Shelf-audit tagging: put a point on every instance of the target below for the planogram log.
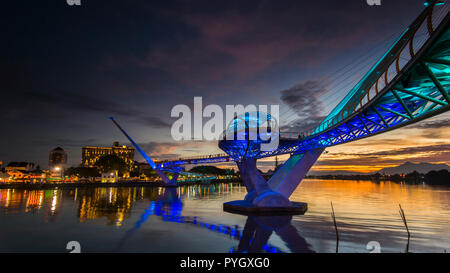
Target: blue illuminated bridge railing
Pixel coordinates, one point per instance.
(207, 159)
(409, 83)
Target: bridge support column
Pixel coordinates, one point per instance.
(259, 193)
(167, 182)
(289, 176)
(273, 196)
(251, 192)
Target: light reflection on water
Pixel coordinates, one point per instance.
(190, 219)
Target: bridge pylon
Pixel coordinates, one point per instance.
(266, 197)
(166, 181)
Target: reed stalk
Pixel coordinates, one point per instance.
(333, 215)
(402, 214)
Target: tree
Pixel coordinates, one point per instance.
(211, 170)
(150, 173)
(396, 178)
(82, 172)
(110, 163)
(414, 177)
(376, 177)
(441, 177)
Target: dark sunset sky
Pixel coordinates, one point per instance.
(65, 69)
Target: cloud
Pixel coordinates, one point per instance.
(433, 124)
(73, 143)
(152, 121)
(426, 153)
(304, 99)
(59, 104)
(433, 128)
(175, 150)
(232, 42)
(26, 100)
(401, 151)
(161, 150)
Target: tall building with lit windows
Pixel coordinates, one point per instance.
(57, 161)
(57, 158)
(90, 155)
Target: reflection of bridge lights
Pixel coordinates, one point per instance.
(171, 212)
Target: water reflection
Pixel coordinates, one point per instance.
(258, 230)
(112, 203)
(253, 239)
(14, 201)
(191, 218)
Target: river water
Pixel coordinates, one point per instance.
(191, 219)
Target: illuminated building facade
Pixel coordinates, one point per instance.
(90, 155)
(4, 176)
(110, 177)
(19, 166)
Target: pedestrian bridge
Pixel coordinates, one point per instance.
(409, 83)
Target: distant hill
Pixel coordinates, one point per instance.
(410, 167)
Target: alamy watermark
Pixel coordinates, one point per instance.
(240, 122)
(373, 2)
(74, 246)
(374, 247)
(73, 2)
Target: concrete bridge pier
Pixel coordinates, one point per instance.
(292, 172)
(251, 192)
(266, 197)
(260, 194)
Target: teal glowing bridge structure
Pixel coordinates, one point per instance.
(409, 83)
(406, 85)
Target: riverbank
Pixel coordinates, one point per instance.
(39, 186)
(440, 178)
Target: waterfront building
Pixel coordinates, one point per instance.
(110, 177)
(57, 158)
(20, 166)
(90, 155)
(4, 176)
(23, 172)
(57, 161)
(142, 166)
